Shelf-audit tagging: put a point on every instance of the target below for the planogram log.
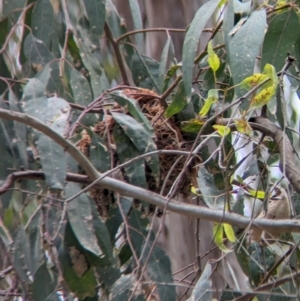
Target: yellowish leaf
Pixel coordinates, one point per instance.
(263, 97)
(212, 97)
(270, 71)
(205, 109)
(192, 126)
(195, 190)
(213, 59)
(243, 126)
(253, 80)
(229, 232)
(218, 232)
(222, 130)
(259, 194)
(279, 4)
(221, 3)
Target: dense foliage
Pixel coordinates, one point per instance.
(98, 140)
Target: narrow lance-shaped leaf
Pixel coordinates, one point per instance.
(270, 71)
(158, 269)
(163, 63)
(203, 289)
(126, 150)
(191, 42)
(141, 140)
(229, 232)
(44, 283)
(213, 59)
(96, 15)
(145, 71)
(134, 109)
(42, 21)
(245, 46)
(34, 100)
(137, 22)
(222, 130)
(178, 103)
(53, 161)
(213, 97)
(218, 232)
(80, 217)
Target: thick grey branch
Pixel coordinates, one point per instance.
(148, 196)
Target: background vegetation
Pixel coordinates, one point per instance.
(134, 172)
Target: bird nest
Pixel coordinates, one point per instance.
(168, 136)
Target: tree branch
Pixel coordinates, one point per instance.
(118, 54)
(289, 162)
(146, 195)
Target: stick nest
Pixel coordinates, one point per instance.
(168, 136)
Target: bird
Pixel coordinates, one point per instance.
(278, 208)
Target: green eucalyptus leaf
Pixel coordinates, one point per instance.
(82, 93)
(134, 110)
(42, 20)
(228, 24)
(35, 240)
(21, 255)
(50, 76)
(108, 275)
(12, 8)
(114, 218)
(138, 230)
(44, 284)
(80, 88)
(145, 71)
(244, 47)
(99, 154)
(178, 103)
(171, 72)
(53, 161)
(125, 253)
(137, 22)
(58, 113)
(140, 139)
(158, 269)
(203, 288)
(96, 15)
(163, 63)
(81, 220)
(123, 289)
(20, 131)
(36, 52)
(280, 39)
(103, 239)
(34, 100)
(118, 28)
(191, 40)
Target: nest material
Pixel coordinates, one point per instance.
(167, 137)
